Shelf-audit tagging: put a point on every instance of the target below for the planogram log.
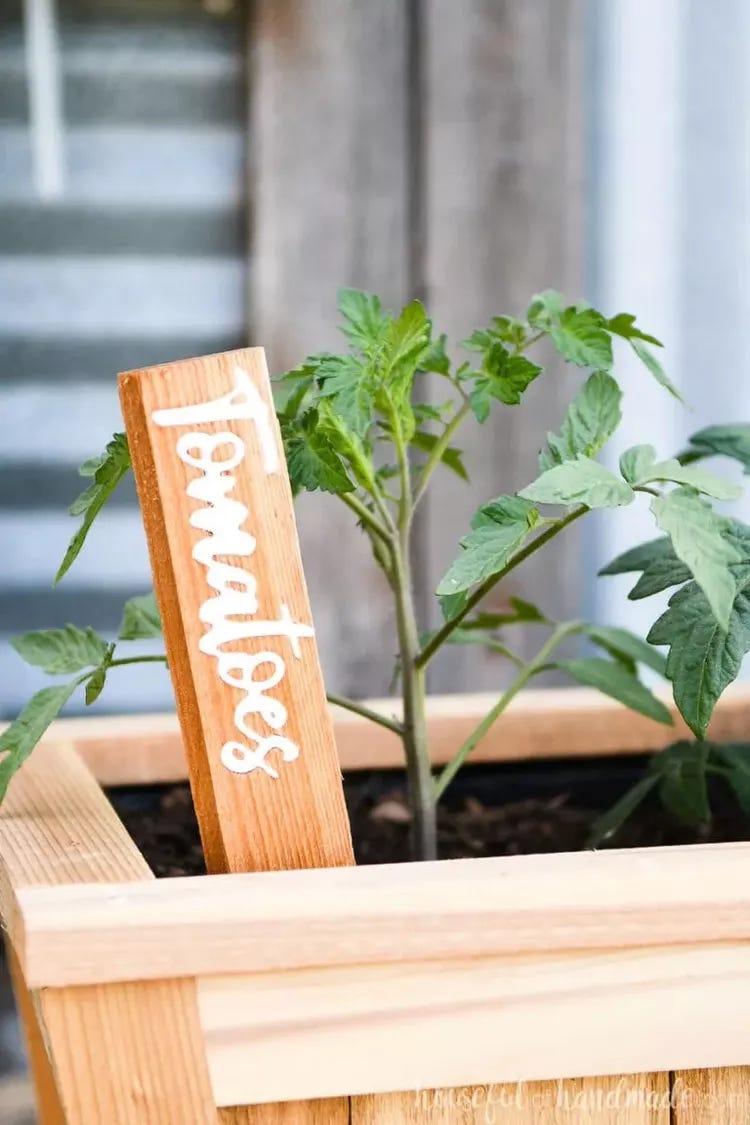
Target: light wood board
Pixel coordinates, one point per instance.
(510, 906)
(121, 1054)
(414, 1025)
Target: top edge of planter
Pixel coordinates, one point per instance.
(540, 723)
(502, 907)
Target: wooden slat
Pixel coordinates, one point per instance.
(122, 1054)
(540, 723)
(129, 1054)
(288, 811)
(46, 1094)
(57, 828)
(330, 199)
(375, 1028)
(636, 1100)
(504, 136)
(705, 1097)
(326, 1111)
(511, 905)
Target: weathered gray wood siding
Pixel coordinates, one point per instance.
(427, 148)
(430, 148)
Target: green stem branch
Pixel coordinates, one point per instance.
(441, 636)
(361, 709)
(365, 515)
(413, 678)
(532, 669)
(121, 662)
(438, 450)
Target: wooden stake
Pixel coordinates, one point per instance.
(217, 507)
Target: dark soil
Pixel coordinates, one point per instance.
(500, 810)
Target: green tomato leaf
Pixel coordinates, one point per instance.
(610, 822)
(140, 619)
(59, 651)
(504, 377)
(545, 308)
(681, 769)
(19, 739)
(651, 363)
(704, 658)
(591, 419)
(624, 325)
(336, 436)
(435, 358)
(499, 529)
(660, 565)
(347, 382)
(581, 481)
(107, 471)
(509, 330)
(699, 537)
(642, 460)
(640, 557)
(452, 604)
(621, 643)
(408, 342)
(366, 322)
(503, 330)
(581, 338)
(95, 685)
(314, 464)
(432, 412)
(480, 340)
(519, 611)
(725, 441)
(291, 390)
(451, 458)
(616, 681)
(636, 461)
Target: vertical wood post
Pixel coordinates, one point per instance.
(109, 1054)
(217, 507)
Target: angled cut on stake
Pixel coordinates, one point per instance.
(217, 508)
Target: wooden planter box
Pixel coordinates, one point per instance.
(154, 1002)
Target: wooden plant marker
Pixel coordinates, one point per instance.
(217, 507)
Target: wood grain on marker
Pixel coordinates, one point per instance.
(249, 822)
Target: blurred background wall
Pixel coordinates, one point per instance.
(186, 176)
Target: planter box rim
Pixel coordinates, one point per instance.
(505, 906)
(540, 723)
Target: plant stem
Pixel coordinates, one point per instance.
(414, 733)
(413, 678)
(365, 515)
(366, 713)
(532, 669)
(437, 452)
(137, 660)
(441, 636)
